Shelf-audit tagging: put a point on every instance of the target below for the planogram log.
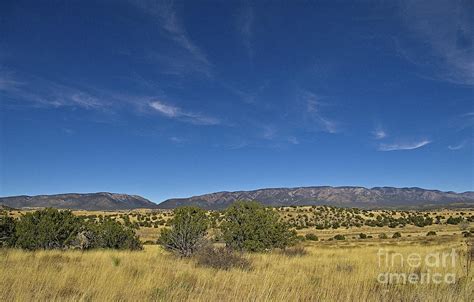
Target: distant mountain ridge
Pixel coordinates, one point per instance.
(101, 201)
(377, 197)
(347, 196)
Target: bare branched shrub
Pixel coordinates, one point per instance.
(296, 251)
(221, 258)
(469, 255)
(186, 235)
(344, 267)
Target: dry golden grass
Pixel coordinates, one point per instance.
(330, 271)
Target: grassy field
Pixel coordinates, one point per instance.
(329, 271)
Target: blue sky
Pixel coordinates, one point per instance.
(171, 99)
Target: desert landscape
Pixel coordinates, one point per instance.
(245, 150)
(336, 255)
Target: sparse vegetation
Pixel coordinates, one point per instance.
(306, 271)
(157, 276)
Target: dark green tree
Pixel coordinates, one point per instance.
(47, 229)
(109, 234)
(188, 228)
(7, 231)
(397, 235)
(250, 226)
(311, 237)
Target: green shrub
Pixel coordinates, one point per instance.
(301, 238)
(362, 236)
(383, 236)
(7, 231)
(188, 228)
(397, 235)
(113, 235)
(115, 261)
(311, 237)
(339, 237)
(250, 226)
(452, 220)
(47, 229)
(431, 233)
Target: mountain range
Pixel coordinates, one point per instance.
(102, 201)
(377, 197)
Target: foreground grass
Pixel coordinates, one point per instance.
(330, 271)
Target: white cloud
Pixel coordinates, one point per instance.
(293, 140)
(177, 140)
(167, 110)
(403, 146)
(174, 112)
(379, 133)
(458, 146)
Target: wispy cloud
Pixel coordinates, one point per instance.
(245, 27)
(177, 139)
(174, 112)
(314, 106)
(293, 140)
(447, 28)
(458, 146)
(8, 82)
(174, 29)
(41, 92)
(463, 121)
(379, 133)
(37, 92)
(403, 146)
(250, 96)
(269, 132)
